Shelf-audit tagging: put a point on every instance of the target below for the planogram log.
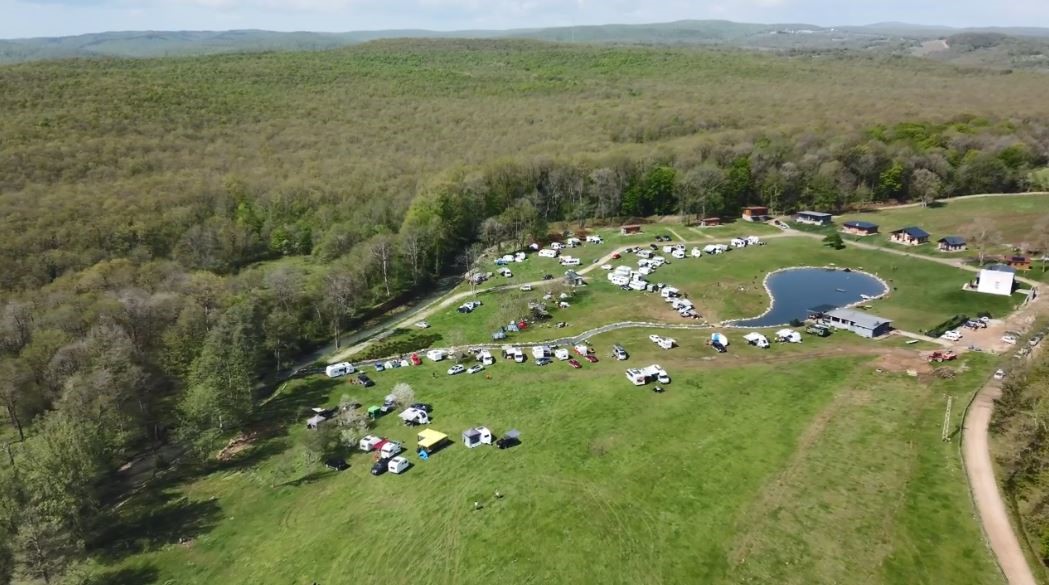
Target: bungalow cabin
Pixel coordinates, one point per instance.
(755, 213)
(859, 322)
(996, 279)
(910, 236)
(630, 229)
(709, 222)
(951, 244)
(860, 228)
(1018, 262)
(814, 218)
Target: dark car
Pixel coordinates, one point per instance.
(381, 466)
(428, 408)
(574, 364)
(717, 345)
(510, 439)
(365, 380)
(653, 246)
(548, 277)
(658, 390)
(543, 362)
(591, 358)
(336, 464)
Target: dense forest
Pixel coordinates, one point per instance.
(177, 230)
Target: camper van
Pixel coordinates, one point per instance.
(696, 252)
(540, 351)
(570, 261)
(485, 357)
(339, 369)
(619, 352)
(547, 253)
(669, 292)
(592, 239)
(436, 355)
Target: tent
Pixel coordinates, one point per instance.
(719, 338)
(757, 339)
(431, 440)
(477, 436)
(788, 335)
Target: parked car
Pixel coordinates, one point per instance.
(591, 358)
(475, 369)
(456, 369)
(423, 324)
(1000, 374)
(662, 377)
(526, 287)
(574, 363)
(381, 466)
(616, 256)
(655, 338)
(952, 335)
(428, 408)
(818, 331)
(365, 380)
(1009, 338)
(619, 353)
(1034, 340)
(543, 361)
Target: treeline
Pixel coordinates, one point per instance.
(1020, 422)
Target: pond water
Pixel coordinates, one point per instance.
(795, 291)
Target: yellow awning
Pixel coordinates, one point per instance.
(429, 438)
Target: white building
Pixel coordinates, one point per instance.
(996, 280)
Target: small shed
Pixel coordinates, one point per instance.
(996, 279)
(910, 236)
(756, 213)
(633, 228)
(814, 218)
(709, 222)
(476, 437)
(951, 244)
(860, 228)
(860, 323)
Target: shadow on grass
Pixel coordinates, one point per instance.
(152, 520)
(290, 404)
(310, 478)
(128, 576)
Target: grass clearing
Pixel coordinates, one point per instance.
(747, 463)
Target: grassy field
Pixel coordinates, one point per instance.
(730, 287)
(1012, 216)
(747, 470)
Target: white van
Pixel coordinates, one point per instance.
(547, 253)
(570, 261)
(594, 239)
(679, 254)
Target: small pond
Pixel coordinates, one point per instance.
(796, 290)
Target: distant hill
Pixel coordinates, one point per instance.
(1012, 46)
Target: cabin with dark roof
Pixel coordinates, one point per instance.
(860, 228)
(910, 236)
(952, 244)
(1018, 262)
(630, 229)
(813, 218)
(709, 222)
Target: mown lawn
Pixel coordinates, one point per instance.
(793, 465)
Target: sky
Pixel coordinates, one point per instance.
(33, 18)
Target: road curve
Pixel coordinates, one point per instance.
(988, 500)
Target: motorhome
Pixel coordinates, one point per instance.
(570, 261)
(485, 357)
(436, 355)
(547, 253)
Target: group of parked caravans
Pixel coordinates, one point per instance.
(783, 335)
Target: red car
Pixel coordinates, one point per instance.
(616, 256)
(574, 364)
(591, 358)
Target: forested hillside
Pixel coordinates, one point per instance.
(176, 230)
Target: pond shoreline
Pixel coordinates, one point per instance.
(733, 323)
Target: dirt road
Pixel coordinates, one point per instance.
(979, 468)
